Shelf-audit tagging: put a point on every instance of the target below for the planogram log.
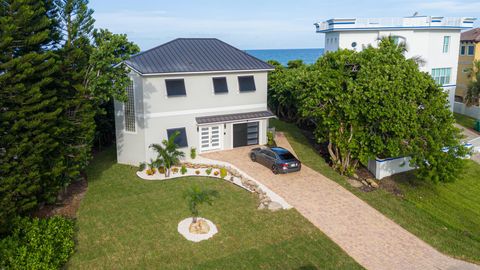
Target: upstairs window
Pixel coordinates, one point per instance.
(129, 109)
(181, 139)
(441, 75)
(446, 44)
(175, 87)
(463, 50)
(220, 85)
(246, 83)
(471, 50)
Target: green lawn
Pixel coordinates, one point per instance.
(464, 120)
(447, 216)
(128, 223)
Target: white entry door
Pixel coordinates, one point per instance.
(210, 138)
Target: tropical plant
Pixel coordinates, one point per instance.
(473, 89)
(196, 196)
(193, 152)
(197, 172)
(216, 173)
(223, 172)
(208, 171)
(168, 153)
(270, 139)
(175, 170)
(183, 170)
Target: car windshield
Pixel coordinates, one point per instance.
(286, 156)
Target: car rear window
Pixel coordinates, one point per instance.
(286, 156)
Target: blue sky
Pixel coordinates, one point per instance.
(253, 24)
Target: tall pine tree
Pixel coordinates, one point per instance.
(31, 165)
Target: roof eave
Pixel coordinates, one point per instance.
(202, 72)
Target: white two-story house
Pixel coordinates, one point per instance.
(213, 94)
(436, 40)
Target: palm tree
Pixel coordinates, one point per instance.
(196, 196)
(168, 153)
(473, 89)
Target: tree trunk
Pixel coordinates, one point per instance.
(194, 219)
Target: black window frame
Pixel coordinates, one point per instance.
(181, 140)
(220, 85)
(240, 84)
(181, 93)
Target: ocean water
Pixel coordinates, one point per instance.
(309, 56)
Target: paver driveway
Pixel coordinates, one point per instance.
(365, 234)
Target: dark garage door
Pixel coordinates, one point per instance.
(245, 134)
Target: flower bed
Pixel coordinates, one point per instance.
(227, 173)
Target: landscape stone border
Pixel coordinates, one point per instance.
(268, 199)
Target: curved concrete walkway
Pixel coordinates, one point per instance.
(365, 234)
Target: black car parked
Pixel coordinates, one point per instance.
(278, 159)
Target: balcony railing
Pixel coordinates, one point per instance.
(395, 22)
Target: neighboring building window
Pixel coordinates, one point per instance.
(441, 75)
(466, 70)
(463, 50)
(181, 139)
(220, 85)
(471, 49)
(129, 109)
(175, 87)
(246, 83)
(446, 44)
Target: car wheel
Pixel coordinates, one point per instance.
(253, 157)
(275, 169)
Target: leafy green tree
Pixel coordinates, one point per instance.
(196, 196)
(168, 153)
(295, 63)
(376, 103)
(473, 89)
(31, 164)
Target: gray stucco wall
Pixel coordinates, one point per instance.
(130, 145)
(157, 112)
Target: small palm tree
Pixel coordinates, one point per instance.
(168, 153)
(197, 196)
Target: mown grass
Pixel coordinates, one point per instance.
(128, 223)
(464, 120)
(447, 216)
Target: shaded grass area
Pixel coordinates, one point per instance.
(128, 223)
(464, 120)
(447, 216)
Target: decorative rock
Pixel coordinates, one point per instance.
(355, 176)
(354, 183)
(274, 206)
(262, 206)
(199, 227)
(372, 182)
(364, 182)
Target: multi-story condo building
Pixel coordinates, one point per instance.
(469, 52)
(434, 39)
(212, 94)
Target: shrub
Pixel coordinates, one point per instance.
(208, 171)
(216, 173)
(38, 244)
(150, 171)
(183, 170)
(270, 139)
(161, 169)
(223, 172)
(197, 172)
(142, 166)
(175, 170)
(193, 152)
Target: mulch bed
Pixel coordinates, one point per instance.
(68, 202)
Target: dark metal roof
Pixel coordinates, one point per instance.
(233, 117)
(471, 35)
(194, 55)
